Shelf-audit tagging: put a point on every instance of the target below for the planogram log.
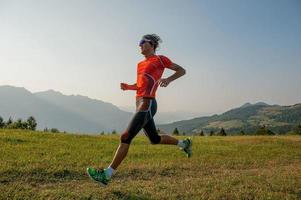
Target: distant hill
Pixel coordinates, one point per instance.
(248, 118)
(76, 113)
(71, 113)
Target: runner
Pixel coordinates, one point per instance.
(149, 72)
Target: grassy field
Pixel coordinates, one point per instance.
(36, 165)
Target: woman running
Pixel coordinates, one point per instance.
(149, 72)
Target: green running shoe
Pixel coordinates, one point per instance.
(99, 176)
(188, 147)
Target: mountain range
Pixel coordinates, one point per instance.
(71, 113)
(247, 118)
(76, 113)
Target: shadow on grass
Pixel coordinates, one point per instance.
(123, 195)
(146, 174)
(40, 175)
(11, 140)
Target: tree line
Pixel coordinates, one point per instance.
(29, 124)
(222, 132)
(263, 130)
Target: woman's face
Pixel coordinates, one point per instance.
(145, 47)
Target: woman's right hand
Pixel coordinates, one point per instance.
(124, 86)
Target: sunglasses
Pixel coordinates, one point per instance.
(143, 41)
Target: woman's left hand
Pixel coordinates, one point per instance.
(164, 82)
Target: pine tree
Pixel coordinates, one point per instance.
(299, 129)
(201, 133)
(222, 132)
(211, 133)
(175, 132)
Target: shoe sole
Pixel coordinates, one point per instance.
(100, 183)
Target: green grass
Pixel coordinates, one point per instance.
(35, 165)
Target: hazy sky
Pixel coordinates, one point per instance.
(234, 51)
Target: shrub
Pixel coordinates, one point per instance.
(296, 130)
(264, 131)
(9, 122)
(54, 130)
(199, 133)
(31, 123)
(2, 123)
